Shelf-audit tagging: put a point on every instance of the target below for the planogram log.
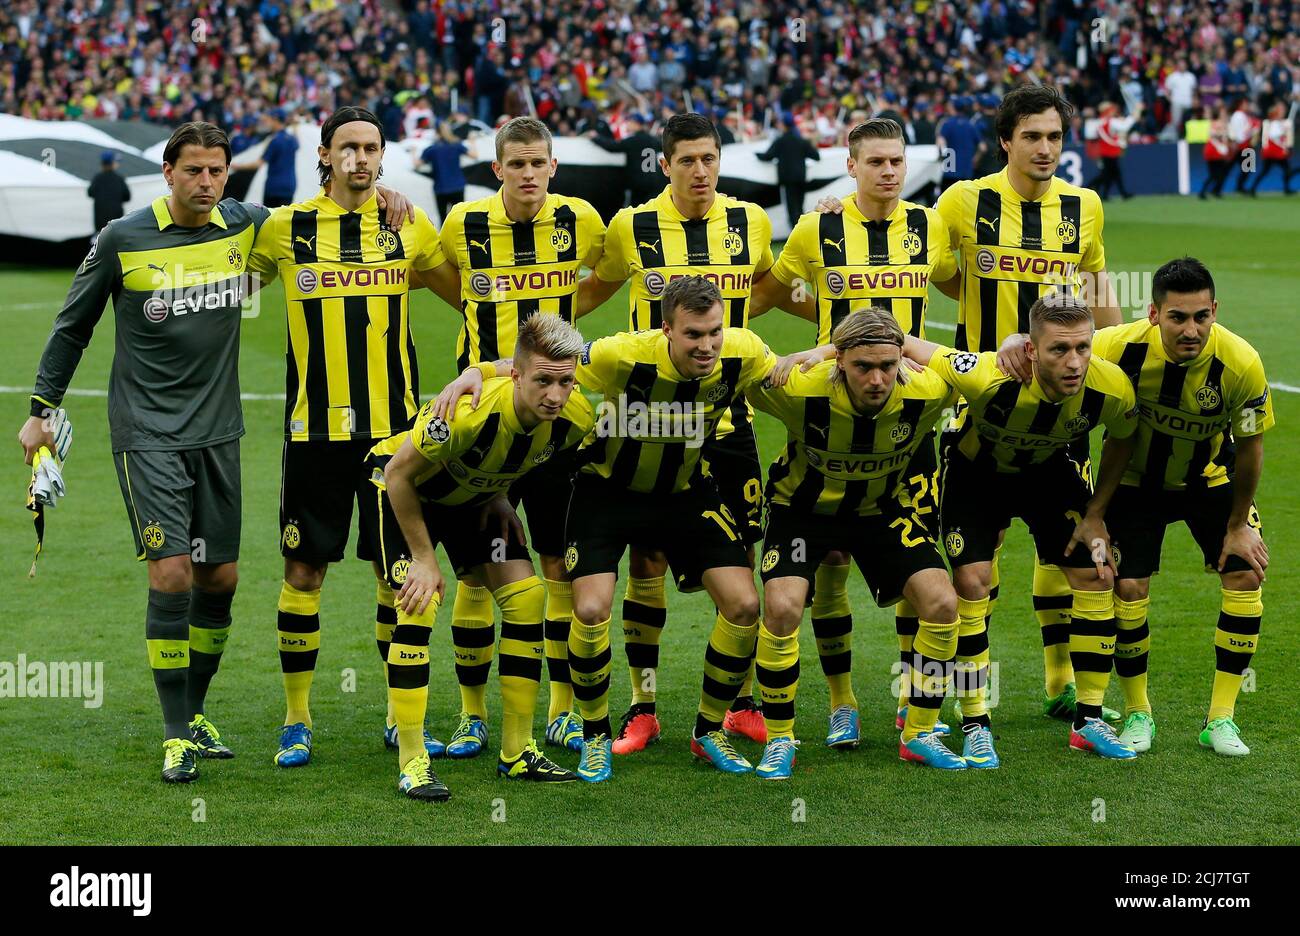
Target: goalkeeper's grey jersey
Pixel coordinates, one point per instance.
(177, 294)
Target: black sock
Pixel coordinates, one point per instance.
(209, 630)
(166, 633)
(1083, 712)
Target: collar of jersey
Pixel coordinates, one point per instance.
(1008, 190)
(497, 210)
(669, 209)
(851, 209)
(326, 205)
(164, 216)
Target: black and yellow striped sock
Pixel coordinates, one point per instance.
(906, 626)
(645, 609)
(971, 669)
(726, 661)
(777, 673)
(929, 675)
(209, 631)
(408, 678)
(385, 621)
(1052, 604)
(473, 640)
(1235, 641)
(589, 665)
(298, 630)
(167, 640)
(519, 661)
(832, 624)
(1092, 649)
(555, 628)
(746, 691)
(1132, 645)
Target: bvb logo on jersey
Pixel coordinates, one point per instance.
(1066, 232)
(386, 241)
(234, 257)
(770, 559)
(291, 536)
(570, 558)
(561, 239)
(733, 243)
(717, 393)
(399, 570)
(1207, 398)
(954, 543)
(544, 454)
(153, 536)
(900, 432)
(1077, 424)
(912, 243)
(1114, 555)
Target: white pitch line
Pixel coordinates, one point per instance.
(103, 393)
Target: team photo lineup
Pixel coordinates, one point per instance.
(641, 489)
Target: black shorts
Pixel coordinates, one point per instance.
(1136, 521)
(456, 528)
(732, 463)
(921, 481)
(888, 549)
(183, 503)
(545, 494)
(693, 528)
(318, 485)
(977, 504)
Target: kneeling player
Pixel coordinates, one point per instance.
(435, 482)
(853, 428)
(1007, 456)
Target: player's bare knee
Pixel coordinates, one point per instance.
(938, 606)
(782, 613)
(742, 610)
(972, 581)
(1132, 589)
(1244, 580)
(304, 577)
(646, 564)
(221, 578)
(552, 567)
(172, 574)
(591, 610)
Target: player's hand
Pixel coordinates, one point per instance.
(498, 514)
(1013, 359)
(1245, 541)
(1091, 533)
(397, 208)
(423, 581)
(469, 383)
(829, 205)
(804, 360)
(35, 433)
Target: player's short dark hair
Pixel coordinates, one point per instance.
(693, 294)
(522, 130)
(196, 133)
(1058, 309)
(346, 115)
(1182, 275)
(870, 326)
(682, 127)
(877, 128)
(1026, 101)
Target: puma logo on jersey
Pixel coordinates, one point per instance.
(481, 245)
(654, 246)
(993, 225)
(838, 245)
(306, 240)
(154, 266)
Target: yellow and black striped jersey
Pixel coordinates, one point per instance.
(1188, 413)
(511, 269)
(352, 370)
(652, 421)
(853, 263)
(654, 243)
(1012, 251)
(484, 450)
(1009, 425)
(840, 461)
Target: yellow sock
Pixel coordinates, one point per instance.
(472, 639)
(519, 662)
(972, 662)
(408, 678)
(1052, 603)
(555, 628)
(644, 613)
(777, 669)
(1235, 641)
(930, 675)
(589, 665)
(832, 622)
(1132, 646)
(1092, 649)
(298, 631)
(725, 666)
(385, 621)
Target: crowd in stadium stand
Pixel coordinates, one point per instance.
(585, 65)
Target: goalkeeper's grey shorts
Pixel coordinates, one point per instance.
(183, 503)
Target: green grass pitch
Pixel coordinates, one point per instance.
(71, 774)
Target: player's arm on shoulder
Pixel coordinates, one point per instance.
(598, 363)
(264, 258)
(788, 284)
(1013, 357)
(469, 383)
(396, 207)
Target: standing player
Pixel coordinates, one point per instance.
(875, 249)
(1011, 453)
(175, 274)
(854, 427)
(517, 253)
(437, 480)
(352, 379)
(1204, 405)
(690, 229)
